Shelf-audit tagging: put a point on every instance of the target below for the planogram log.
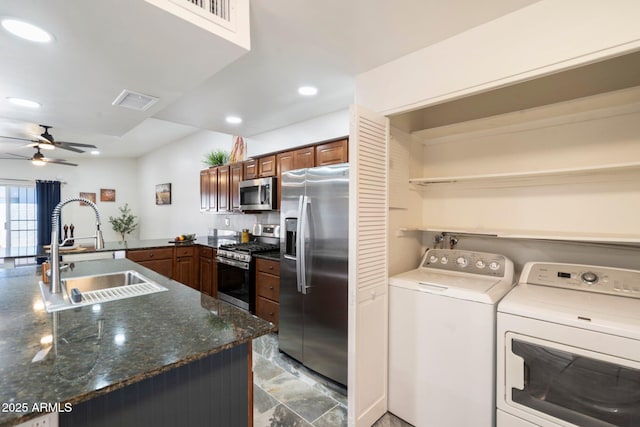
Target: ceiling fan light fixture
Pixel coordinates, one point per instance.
(26, 31)
(22, 102)
(38, 162)
(308, 90)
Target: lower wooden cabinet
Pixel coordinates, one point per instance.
(208, 269)
(159, 260)
(268, 290)
(185, 268)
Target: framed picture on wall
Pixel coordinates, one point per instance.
(107, 195)
(89, 196)
(163, 194)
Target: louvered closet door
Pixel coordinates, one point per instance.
(368, 300)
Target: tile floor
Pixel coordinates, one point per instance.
(286, 394)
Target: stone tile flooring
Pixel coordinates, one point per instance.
(286, 394)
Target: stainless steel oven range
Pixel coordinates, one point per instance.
(236, 272)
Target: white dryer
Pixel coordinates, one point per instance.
(568, 348)
(442, 338)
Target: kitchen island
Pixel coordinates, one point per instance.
(171, 358)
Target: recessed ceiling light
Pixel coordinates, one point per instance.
(233, 120)
(95, 152)
(307, 90)
(26, 30)
(24, 102)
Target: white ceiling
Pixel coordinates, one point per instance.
(104, 47)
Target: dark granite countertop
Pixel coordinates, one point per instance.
(273, 255)
(132, 244)
(93, 350)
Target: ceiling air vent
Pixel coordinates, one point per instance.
(134, 100)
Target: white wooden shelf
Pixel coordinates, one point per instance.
(532, 234)
(531, 177)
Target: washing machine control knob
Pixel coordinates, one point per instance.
(480, 264)
(444, 260)
(494, 265)
(433, 259)
(589, 277)
(462, 262)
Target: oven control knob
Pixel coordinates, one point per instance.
(444, 260)
(462, 262)
(589, 277)
(494, 265)
(480, 264)
(433, 259)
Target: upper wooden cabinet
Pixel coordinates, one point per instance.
(332, 153)
(223, 189)
(204, 190)
(235, 176)
(250, 169)
(213, 189)
(267, 166)
(295, 159)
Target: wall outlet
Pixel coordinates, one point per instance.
(47, 420)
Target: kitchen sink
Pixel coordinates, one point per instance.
(98, 288)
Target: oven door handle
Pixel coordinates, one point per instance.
(514, 371)
(233, 263)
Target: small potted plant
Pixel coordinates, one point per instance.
(125, 223)
(217, 157)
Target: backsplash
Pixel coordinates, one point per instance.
(240, 221)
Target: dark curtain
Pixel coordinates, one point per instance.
(47, 197)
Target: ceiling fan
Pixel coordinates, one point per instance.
(37, 159)
(46, 142)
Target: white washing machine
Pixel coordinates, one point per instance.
(568, 348)
(442, 338)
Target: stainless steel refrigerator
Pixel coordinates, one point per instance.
(314, 247)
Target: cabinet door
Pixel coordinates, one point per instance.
(234, 186)
(223, 188)
(213, 189)
(205, 275)
(332, 153)
(160, 266)
(184, 272)
(204, 190)
(250, 169)
(214, 275)
(267, 166)
(290, 160)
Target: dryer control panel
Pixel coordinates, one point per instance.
(606, 280)
(482, 263)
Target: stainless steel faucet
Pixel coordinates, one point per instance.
(55, 286)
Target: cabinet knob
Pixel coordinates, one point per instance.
(271, 314)
(271, 287)
(150, 255)
(271, 267)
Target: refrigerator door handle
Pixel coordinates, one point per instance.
(302, 249)
(299, 243)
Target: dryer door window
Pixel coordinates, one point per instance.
(565, 383)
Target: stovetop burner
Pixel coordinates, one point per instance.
(250, 247)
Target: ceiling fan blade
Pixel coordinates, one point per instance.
(15, 137)
(15, 157)
(76, 144)
(59, 162)
(67, 147)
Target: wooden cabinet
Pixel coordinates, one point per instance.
(159, 260)
(213, 189)
(267, 166)
(185, 270)
(332, 152)
(208, 267)
(223, 188)
(268, 290)
(295, 159)
(235, 176)
(204, 190)
(250, 169)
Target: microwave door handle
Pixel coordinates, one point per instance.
(299, 246)
(264, 195)
(303, 255)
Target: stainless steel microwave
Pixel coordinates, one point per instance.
(258, 194)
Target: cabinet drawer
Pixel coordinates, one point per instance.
(268, 310)
(205, 252)
(150, 254)
(268, 286)
(185, 251)
(268, 266)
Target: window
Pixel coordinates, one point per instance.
(18, 215)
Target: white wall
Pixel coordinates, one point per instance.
(328, 126)
(89, 176)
